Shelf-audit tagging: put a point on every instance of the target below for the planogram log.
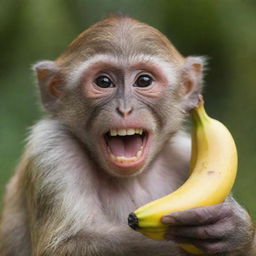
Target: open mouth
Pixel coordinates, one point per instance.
(126, 147)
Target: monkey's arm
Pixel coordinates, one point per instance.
(117, 242)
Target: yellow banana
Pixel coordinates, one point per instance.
(213, 168)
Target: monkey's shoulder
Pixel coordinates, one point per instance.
(50, 143)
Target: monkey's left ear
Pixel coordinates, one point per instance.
(50, 81)
(192, 81)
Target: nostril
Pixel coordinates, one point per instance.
(124, 111)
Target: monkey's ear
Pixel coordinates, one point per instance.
(50, 81)
(192, 81)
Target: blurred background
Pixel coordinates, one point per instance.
(225, 31)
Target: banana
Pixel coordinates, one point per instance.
(213, 168)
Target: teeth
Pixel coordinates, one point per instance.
(123, 159)
(121, 132)
(139, 153)
(113, 132)
(124, 132)
(130, 132)
(139, 131)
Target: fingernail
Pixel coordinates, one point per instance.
(168, 220)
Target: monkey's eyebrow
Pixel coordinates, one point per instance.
(81, 67)
(166, 67)
(159, 66)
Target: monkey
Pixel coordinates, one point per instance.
(112, 139)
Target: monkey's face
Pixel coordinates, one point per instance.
(121, 87)
(127, 111)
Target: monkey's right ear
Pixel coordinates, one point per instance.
(50, 81)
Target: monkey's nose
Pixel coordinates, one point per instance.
(133, 221)
(124, 111)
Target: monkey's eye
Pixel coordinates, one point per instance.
(143, 81)
(104, 82)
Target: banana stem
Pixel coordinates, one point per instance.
(199, 116)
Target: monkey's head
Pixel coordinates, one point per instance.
(122, 89)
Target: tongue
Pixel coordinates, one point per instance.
(127, 146)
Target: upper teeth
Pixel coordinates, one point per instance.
(124, 132)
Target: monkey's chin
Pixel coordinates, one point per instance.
(121, 172)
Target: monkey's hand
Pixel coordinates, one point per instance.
(223, 229)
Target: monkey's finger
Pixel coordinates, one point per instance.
(213, 247)
(209, 247)
(198, 216)
(219, 230)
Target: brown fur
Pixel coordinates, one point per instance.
(119, 36)
(65, 198)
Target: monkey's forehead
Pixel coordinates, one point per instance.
(127, 63)
(119, 37)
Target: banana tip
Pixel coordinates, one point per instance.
(133, 221)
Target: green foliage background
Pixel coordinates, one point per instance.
(225, 31)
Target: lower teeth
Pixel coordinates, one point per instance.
(123, 159)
